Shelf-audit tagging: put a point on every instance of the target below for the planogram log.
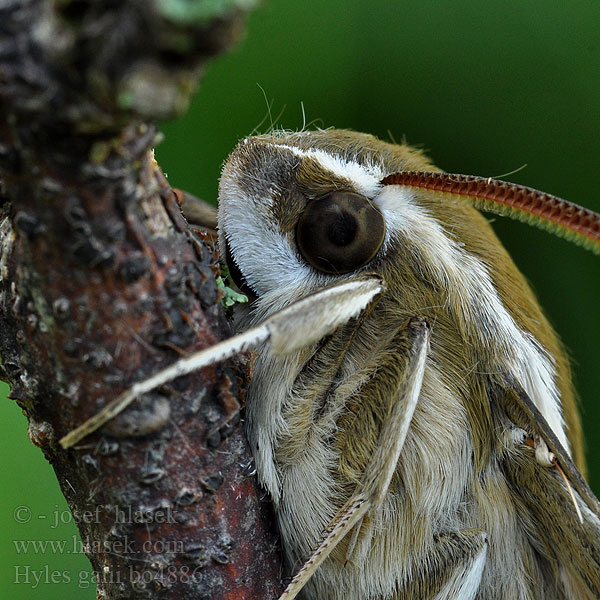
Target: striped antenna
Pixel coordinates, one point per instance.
(570, 221)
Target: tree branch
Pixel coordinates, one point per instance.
(102, 283)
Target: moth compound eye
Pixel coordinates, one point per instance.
(340, 232)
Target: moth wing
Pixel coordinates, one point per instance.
(568, 536)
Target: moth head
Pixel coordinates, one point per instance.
(300, 210)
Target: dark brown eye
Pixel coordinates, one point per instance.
(340, 232)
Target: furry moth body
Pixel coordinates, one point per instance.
(465, 513)
(411, 412)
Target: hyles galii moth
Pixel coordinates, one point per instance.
(411, 412)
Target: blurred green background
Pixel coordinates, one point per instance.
(486, 87)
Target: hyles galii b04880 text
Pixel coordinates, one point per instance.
(411, 413)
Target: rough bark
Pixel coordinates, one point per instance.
(102, 283)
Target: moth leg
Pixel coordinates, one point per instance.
(382, 464)
(196, 211)
(294, 327)
(453, 568)
(378, 473)
(570, 537)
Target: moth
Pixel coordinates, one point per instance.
(411, 411)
